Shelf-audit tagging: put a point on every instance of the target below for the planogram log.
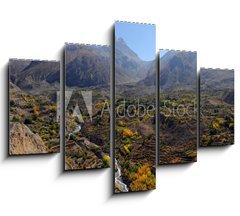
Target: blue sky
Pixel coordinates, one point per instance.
(141, 38)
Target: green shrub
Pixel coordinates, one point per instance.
(15, 119)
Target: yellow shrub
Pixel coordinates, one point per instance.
(36, 110)
(25, 98)
(127, 132)
(41, 119)
(216, 125)
(72, 125)
(143, 179)
(121, 123)
(219, 121)
(53, 132)
(53, 108)
(101, 105)
(126, 148)
(106, 158)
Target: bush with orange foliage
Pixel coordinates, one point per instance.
(143, 179)
(127, 132)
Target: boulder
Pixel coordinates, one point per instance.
(24, 141)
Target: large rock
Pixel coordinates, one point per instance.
(24, 141)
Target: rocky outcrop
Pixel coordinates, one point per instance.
(24, 141)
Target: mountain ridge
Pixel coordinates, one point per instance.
(178, 71)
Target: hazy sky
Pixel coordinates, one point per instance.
(141, 38)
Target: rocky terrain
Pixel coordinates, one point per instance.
(87, 142)
(135, 130)
(32, 108)
(178, 71)
(87, 66)
(216, 107)
(24, 141)
(178, 96)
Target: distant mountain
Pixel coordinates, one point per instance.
(150, 79)
(87, 65)
(15, 67)
(178, 71)
(216, 79)
(128, 66)
(34, 76)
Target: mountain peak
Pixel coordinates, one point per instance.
(122, 46)
(121, 40)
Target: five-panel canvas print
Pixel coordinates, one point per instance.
(121, 99)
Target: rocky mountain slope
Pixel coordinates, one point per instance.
(128, 66)
(178, 71)
(35, 77)
(216, 79)
(33, 125)
(87, 65)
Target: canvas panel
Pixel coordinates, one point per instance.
(87, 115)
(178, 98)
(134, 107)
(33, 118)
(216, 107)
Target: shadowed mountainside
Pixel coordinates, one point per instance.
(129, 67)
(35, 76)
(177, 71)
(216, 79)
(87, 65)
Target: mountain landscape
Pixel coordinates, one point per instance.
(216, 107)
(87, 66)
(129, 67)
(33, 126)
(178, 96)
(177, 71)
(87, 114)
(135, 94)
